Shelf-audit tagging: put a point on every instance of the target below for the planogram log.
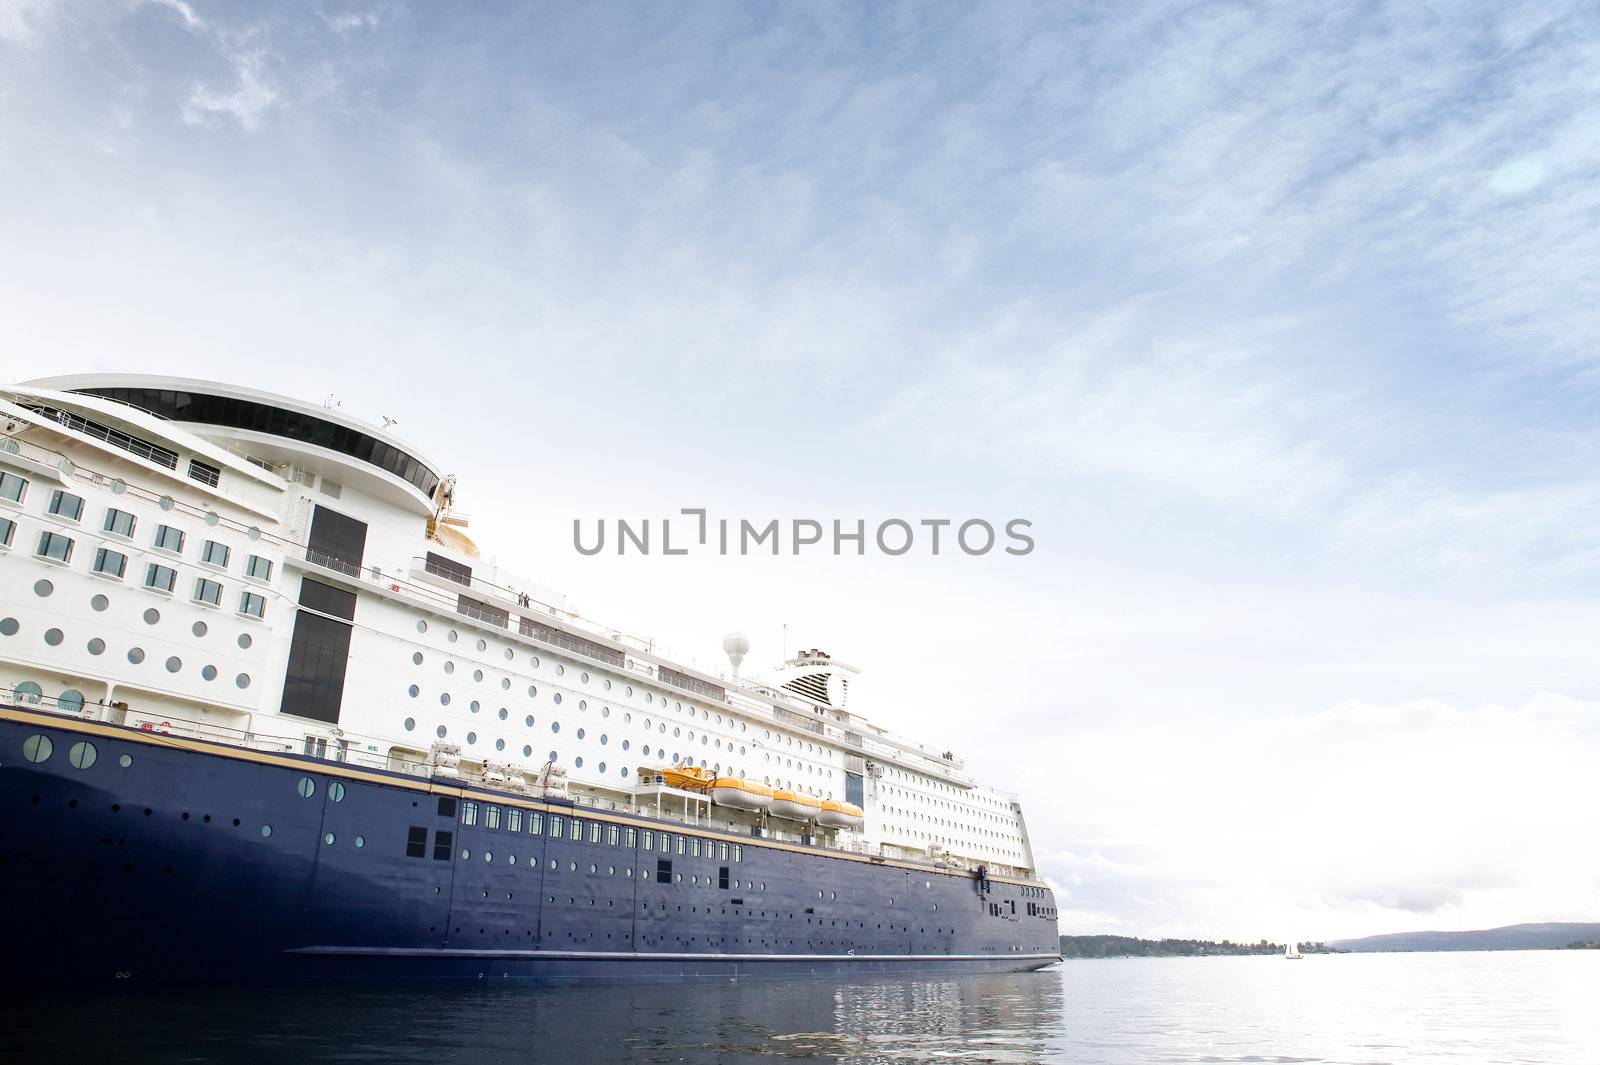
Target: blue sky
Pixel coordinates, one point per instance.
(1280, 325)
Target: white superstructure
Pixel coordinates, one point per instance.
(179, 554)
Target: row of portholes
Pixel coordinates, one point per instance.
(152, 616)
(81, 755)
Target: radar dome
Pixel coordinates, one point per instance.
(736, 645)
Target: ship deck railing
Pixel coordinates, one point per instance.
(373, 753)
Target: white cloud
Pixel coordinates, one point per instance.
(246, 102)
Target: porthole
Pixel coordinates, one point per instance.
(328, 838)
(466, 855)
(499, 745)
(509, 654)
(483, 645)
(174, 664)
(577, 763)
(605, 711)
(603, 739)
(136, 655)
(552, 757)
(488, 856)
(213, 518)
(601, 767)
(528, 721)
(208, 672)
(605, 683)
(527, 750)
(410, 723)
(580, 734)
(556, 698)
(42, 589)
(505, 684)
(583, 677)
(623, 770)
(99, 603)
(504, 713)
(118, 486)
(560, 669)
(198, 628)
(583, 705)
(70, 700)
(477, 676)
(472, 737)
(336, 791)
(125, 760)
(242, 681)
(413, 691)
(307, 787)
(253, 533)
(422, 626)
(628, 691)
(37, 748)
(444, 699)
(441, 732)
(53, 637)
(452, 636)
(473, 706)
(555, 726)
(532, 691)
(245, 641)
(533, 660)
(416, 658)
(449, 667)
(266, 830)
(165, 502)
(361, 841)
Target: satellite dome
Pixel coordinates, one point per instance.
(736, 645)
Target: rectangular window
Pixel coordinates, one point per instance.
(448, 568)
(336, 541)
(444, 844)
(577, 830)
(252, 605)
(630, 837)
(536, 822)
(447, 806)
(208, 592)
(258, 568)
(110, 563)
(416, 842)
(665, 839)
(469, 813)
(594, 831)
(53, 545)
(556, 826)
(119, 522)
(491, 817)
(12, 487)
(738, 852)
(66, 505)
(215, 554)
(204, 472)
(169, 539)
(681, 844)
(8, 528)
(159, 577)
(722, 851)
(513, 820)
(694, 847)
(722, 878)
(649, 843)
(663, 870)
(613, 834)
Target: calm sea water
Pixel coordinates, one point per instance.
(1375, 1008)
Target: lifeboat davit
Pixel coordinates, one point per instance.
(840, 815)
(741, 794)
(794, 806)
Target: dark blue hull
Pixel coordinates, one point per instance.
(132, 857)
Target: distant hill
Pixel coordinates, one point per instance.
(1511, 937)
(1128, 947)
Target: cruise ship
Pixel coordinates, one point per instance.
(267, 714)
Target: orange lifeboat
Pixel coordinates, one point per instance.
(682, 777)
(741, 794)
(841, 815)
(795, 807)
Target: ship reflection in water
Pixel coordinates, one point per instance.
(1378, 1009)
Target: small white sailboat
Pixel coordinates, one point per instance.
(1292, 952)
